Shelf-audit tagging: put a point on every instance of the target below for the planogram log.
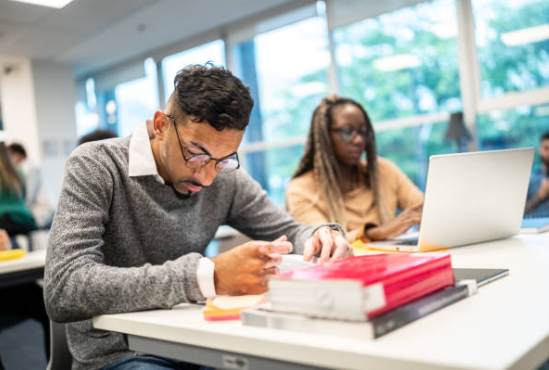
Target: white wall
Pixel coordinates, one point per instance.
(55, 93)
(37, 101)
(18, 105)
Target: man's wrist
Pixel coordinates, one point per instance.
(206, 277)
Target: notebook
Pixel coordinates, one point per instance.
(534, 225)
(470, 198)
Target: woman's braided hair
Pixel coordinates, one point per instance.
(320, 156)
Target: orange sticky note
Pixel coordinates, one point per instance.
(228, 308)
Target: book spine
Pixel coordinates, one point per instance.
(414, 310)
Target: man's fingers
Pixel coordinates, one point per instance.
(309, 249)
(271, 270)
(276, 248)
(283, 238)
(343, 250)
(327, 243)
(275, 260)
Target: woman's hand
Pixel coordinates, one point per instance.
(405, 220)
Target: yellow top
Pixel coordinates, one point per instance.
(307, 206)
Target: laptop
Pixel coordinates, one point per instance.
(469, 198)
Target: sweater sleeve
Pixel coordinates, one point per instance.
(78, 284)
(407, 193)
(301, 203)
(254, 214)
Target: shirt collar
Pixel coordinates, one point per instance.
(141, 158)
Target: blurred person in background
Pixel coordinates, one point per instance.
(23, 301)
(15, 218)
(96, 136)
(537, 201)
(36, 198)
(333, 184)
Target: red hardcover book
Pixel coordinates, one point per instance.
(362, 287)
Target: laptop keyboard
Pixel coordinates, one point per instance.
(407, 242)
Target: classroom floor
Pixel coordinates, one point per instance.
(22, 347)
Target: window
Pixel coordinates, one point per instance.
(275, 168)
(402, 63)
(287, 71)
(87, 119)
(513, 45)
(411, 147)
(134, 101)
(516, 128)
(212, 52)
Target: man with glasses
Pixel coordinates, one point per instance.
(136, 214)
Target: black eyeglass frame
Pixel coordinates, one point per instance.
(352, 134)
(216, 160)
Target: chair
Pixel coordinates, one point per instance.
(60, 357)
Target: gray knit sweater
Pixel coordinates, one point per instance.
(121, 244)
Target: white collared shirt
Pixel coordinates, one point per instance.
(142, 163)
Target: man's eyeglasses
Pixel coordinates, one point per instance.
(197, 161)
(349, 134)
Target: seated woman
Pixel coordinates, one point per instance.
(19, 301)
(15, 218)
(333, 184)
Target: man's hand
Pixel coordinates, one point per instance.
(405, 220)
(4, 240)
(245, 269)
(329, 243)
(541, 195)
(543, 191)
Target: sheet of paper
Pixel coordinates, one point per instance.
(291, 262)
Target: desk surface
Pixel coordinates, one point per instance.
(22, 270)
(504, 326)
(29, 261)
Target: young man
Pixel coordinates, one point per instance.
(136, 214)
(537, 204)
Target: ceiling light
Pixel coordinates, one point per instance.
(49, 3)
(526, 35)
(397, 62)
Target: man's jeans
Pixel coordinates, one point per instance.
(151, 363)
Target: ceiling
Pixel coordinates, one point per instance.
(95, 34)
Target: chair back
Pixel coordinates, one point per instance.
(60, 357)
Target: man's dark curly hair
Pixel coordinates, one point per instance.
(212, 93)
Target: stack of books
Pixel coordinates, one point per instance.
(363, 297)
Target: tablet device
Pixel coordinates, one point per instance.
(482, 276)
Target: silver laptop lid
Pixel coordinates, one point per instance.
(474, 197)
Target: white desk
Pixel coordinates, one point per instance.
(22, 270)
(504, 326)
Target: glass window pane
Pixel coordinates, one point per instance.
(516, 128)
(513, 45)
(211, 52)
(287, 71)
(135, 101)
(410, 148)
(274, 168)
(402, 63)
